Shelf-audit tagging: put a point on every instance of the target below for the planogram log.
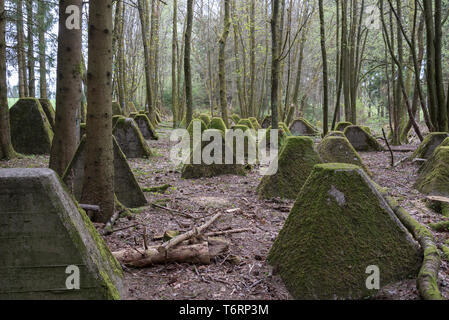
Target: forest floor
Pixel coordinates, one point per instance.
(242, 273)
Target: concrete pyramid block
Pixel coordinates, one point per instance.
(434, 175)
(295, 163)
(339, 150)
(44, 233)
(430, 143)
(341, 126)
(117, 109)
(204, 170)
(130, 139)
(49, 111)
(302, 127)
(361, 140)
(340, 226)
(145, 126)
(31, 131)
(126, 188)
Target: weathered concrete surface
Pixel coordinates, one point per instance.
(130, 139)
(145, 126)
(42, 232)
(126, 188)
(362, 140)
(31, 131)
(301, 127)
(49, 111)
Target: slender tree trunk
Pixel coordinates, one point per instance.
(222, 63)
(275, 64)
(6, 148)
(325, 76)
(68, 91)
(252, 55)
(42, 9)
(187, 67)
(31, 75)
(21, 63)
(174, 47)
(98, 185)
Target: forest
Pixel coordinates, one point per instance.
(224, 150)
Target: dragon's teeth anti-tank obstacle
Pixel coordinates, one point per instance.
(361, 140)
(130, 139)
(339, 227)
(430, 143)
(295, 162)
(126, 188)
(145, 126)
(48, 243)
(31, 131)
(302, 127)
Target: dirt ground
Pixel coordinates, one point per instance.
(242, 273)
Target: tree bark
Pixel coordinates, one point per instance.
(222, 64)
(98, 188)
(6, 148)
(187, 67)
(325, 76)
(42, 10)
(68, 91)
(30, 34)
(275, 64)
(174, 47)
(21, 63)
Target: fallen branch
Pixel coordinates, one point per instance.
(427, 281)
(389, 148)
(221, 233)
(110, 223)
(89, 207)
(185, 236)
(160, 189)
(201, 253)
(182, 214)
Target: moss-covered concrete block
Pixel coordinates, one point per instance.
(341, 126)
(146, 128)
(82, 129)
(218, 124)
(255, 123)
(430, 143)
(130, 139)
(247, 122)
(339, 150)
(49, 111)
(302, 127)
(204, 170)
(205, 117)
(336, 134)
(362, 140)
(295, 163)
(338, 227)
(434, 175)
(266, 123)
(235, 118)
(43, 232)
(126, 187)
(117, 109)
(31, 131)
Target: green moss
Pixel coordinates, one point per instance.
(336, 134)
(339, 150)
(205, 118)
(246, 122)
(434, 176)
(255, 123)
(218, 124)
(296, 161)
(284, 128)
(49, 111)
(341, 126)
(430, 143)
(117, 118)
(338, 226)
(362, 140)
(235, 118)
(367, 129)
(240, 127)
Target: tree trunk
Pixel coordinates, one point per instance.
(325, 76)
(42, 10)
(187, 67)
(222, 64)
(174, 47)
(275, 64)
(31, 76)
(68, 91)
(21, 63)
(252, 63)
(6, 148)
(98, 188)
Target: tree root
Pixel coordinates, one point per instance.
(427, 281)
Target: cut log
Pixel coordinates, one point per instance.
(201, 253)
(438, 199)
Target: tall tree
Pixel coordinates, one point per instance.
(98, 185)
(222, 63)
(275, 64)
(6, 148)
(68, 90)
(21, 61)
(173, 64)
(325, 76)
(42, 12)
(252, 54)
(187, 67)
(30, 52)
